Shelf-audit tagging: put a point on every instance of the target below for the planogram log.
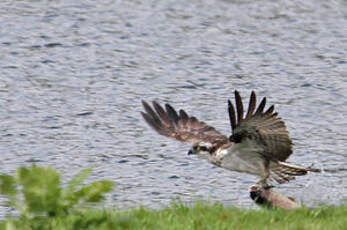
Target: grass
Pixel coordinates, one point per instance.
(30, 192)
(200, 217)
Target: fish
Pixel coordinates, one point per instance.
(266, 196)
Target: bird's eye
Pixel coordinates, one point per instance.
(203, 148)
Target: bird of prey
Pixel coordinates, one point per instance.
(259, 143)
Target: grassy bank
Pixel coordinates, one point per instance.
(197, 217)
(36, 192)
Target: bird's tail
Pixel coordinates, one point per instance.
(284, 172)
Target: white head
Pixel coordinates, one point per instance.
(202, 149)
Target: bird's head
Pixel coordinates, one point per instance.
(202, 149)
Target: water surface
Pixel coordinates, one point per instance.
(73, 74)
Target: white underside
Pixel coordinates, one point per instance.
(243, 157)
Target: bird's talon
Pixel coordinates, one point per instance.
(267, 187)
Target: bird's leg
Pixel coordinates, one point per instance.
(263, 182)
(265, 174)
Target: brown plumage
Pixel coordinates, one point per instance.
(259, 143)
(265, 128)
(182, 127)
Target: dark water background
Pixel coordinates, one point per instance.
(73, 73)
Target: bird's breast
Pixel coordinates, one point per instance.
(240, 162)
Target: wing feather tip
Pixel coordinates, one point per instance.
(251, 105)
(156, 104)
(232, 118)
(239, 106)
(144, 104)
(261, 107)
(150, 121)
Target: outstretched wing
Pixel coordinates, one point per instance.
(180, 126)
(268, 130)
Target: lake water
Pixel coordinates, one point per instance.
(73, 74)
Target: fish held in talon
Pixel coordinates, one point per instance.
(267, 197)
(259, 143)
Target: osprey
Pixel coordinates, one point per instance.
(259, 144)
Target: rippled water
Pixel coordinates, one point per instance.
(73, 74)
